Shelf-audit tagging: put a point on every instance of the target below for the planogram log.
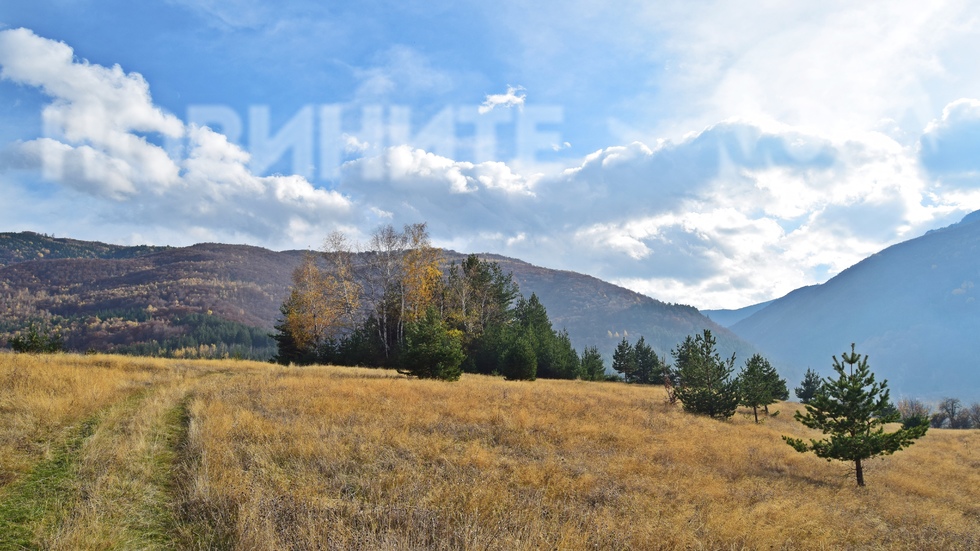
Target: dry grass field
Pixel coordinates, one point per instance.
(103, 452)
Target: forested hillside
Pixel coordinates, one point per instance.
(106, 297)
(24, 246)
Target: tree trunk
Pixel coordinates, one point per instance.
(859, 471)
(755, 410)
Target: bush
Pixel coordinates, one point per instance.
(37, 339)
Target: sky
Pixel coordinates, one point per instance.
(715, 154)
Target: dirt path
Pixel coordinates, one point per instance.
(110, 485)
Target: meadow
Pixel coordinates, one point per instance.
(112, 452)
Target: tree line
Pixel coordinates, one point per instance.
(394, 302)
(949, 413)
(700, 378)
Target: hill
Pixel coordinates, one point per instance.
(912, 308)
(24, 246)
(728, 318)
(107, 452)
(180, 298)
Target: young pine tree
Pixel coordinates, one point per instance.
(809, 387)
(519, 362)
(431, 351)
(759, 385)
(853, 410)
(706, 386)
(648, 368)
(593, 368)
(624, 360)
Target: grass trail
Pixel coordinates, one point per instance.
(110, 485)
(34, 502)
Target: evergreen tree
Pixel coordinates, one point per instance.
(593, 368)
(706, 386)
(852, 409)
(554, 356)
(624, 360)
(649, 371)
(519, 361)
(809, 387)
(37, 339)
(431, 351)
(759, 385)
(565, 361)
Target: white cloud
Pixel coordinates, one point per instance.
(808, 160)
(401, 72)
(101, 122)
(732, 215)
(512, 98)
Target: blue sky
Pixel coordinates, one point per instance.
(699, 152)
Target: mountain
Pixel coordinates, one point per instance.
(24, 246)
(912, 308)
(728, 318)
(597, 313)
(147, 299)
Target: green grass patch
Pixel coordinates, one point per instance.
(161, 514)
(31, 505)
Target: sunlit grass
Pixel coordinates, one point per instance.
(143, 453)
(349, 458)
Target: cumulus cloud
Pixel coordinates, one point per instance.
(512, 98)
(455, 197)
(732, 215)
(741, 211)
(104, 136)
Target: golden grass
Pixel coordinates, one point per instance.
(220, 454)
(346, 458)
(41, 395)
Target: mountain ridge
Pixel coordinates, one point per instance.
(245, 285)
(911, 307)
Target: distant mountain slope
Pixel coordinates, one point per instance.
(141, 297)
(597, 313)
(912, 308)
(728, 318)
(24, 246)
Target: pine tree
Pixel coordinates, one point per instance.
(431, 351)
(288, 350)
(809, 387)
(624, 360)
(565, 361)
(706, 386)
(554, 356)
(759, 385)
(593, 368)
(648, 368)
(519, 361)
(853, 410)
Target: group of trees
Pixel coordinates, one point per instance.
(700, 378)
(852, 408)
(37, 338)
(950, 413)
(399, 305)
(638, 363)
